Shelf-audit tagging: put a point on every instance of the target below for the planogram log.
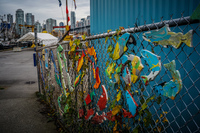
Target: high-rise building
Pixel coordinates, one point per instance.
(33, 20)
(38, 26)
(61, 24)
(77, 23)
(88, 17)
(54, 22)
(49, 24)
(28, 17)
(20, 22)
(10, 19)
(82, 22)
(43, 26)
(73, 20)
(87, 20)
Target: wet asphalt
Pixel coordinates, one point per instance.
(19, 108)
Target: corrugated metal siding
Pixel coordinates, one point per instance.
(184, 106)
(110, 14)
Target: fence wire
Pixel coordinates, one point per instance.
(156, 113)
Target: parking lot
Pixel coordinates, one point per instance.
(19, 108)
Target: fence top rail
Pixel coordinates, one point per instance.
(152, 26)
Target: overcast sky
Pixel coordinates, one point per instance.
(44, 9)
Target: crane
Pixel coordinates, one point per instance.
(28, 26)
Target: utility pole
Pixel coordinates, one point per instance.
(35, 30)
(7, 30)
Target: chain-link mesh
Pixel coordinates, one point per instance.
(161, 114)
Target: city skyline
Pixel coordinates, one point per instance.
(28, 19)
(50, 10)
(24, 22)
(5, 18)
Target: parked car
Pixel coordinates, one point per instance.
(1, 46)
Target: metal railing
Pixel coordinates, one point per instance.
(156, 113)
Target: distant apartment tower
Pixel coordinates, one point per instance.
(87, 20)
(28, 17)
(10, 19)
(19, 21)
(73, 20)
(54, 22)
(49, 24)
(33, 20)
(77, 23)
(43, 26)
(38, 26)
(61, 24)
(81, 23)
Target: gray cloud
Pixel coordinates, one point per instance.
(44, 9)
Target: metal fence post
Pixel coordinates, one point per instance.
(37, 58)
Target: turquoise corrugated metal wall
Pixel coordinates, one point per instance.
(110, 14)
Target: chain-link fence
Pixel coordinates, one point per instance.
(78, 105)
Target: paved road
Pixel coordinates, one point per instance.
(19, 108)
